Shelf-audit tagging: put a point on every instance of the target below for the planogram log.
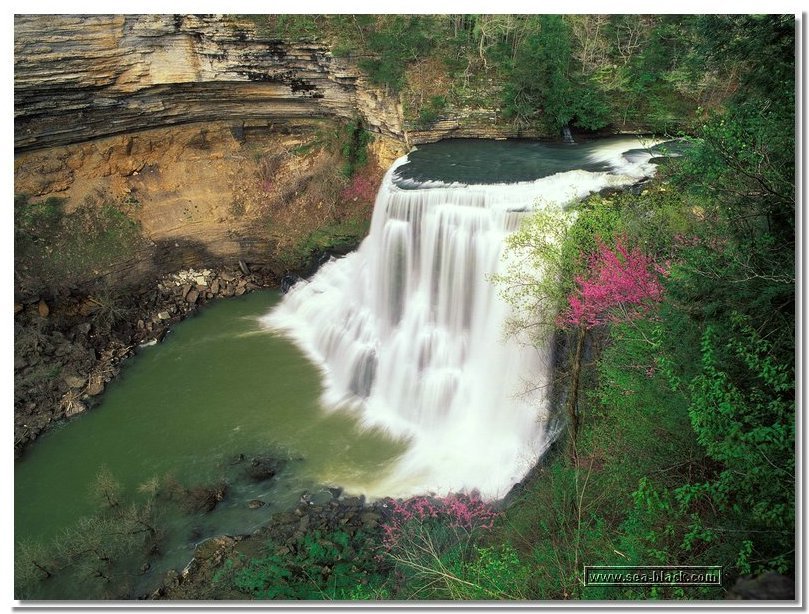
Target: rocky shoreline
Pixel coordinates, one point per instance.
(360, 520)
(69, 347)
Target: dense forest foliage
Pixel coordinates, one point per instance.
(676, 308)
(538, 71)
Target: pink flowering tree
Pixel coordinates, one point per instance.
(430, 540)
(620, 285)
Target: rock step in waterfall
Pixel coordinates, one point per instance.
(409, 331)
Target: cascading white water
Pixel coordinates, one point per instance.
(409, 332)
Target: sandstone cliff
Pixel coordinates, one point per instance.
(83, 77)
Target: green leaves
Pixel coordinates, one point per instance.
(318, 566)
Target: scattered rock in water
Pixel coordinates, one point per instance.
(336, 491)
(210, 548)
(255, 504)
(204, 498)
(263, 468)
(287, 281)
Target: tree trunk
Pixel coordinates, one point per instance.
(573, 394)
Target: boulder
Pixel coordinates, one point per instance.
(95, 386)
(213, 548)
(192, 296)
(255, 504)
(43, 308)
(287, 281)
(74, 407)
(75, 381)
(204, 498)
(164, 315)
(263, 468)
(215, 287)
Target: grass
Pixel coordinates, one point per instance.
(337, 237)
(54, 249)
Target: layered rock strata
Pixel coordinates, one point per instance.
(80, 77)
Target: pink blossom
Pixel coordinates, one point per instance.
(620, 285)
(468, 512)
(362, 188)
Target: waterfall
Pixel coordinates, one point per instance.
(567, 137)
(409, 332)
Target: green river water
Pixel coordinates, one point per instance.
(218, 386)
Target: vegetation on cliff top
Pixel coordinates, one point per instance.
(540, 72)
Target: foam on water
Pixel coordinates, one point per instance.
(409, 332)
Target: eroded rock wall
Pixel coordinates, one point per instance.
(82, 77)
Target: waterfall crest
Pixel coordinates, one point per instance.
(409, 332)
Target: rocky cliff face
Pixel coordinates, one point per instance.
(196, 124)
(83, 77)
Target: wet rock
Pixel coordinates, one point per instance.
(213, 548)
(287, 281)
(239, 291)
(204, 498)
(285, 518)
(263, 468)
(255, 504)
(336, 491)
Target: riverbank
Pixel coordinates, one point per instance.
(67, 350)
